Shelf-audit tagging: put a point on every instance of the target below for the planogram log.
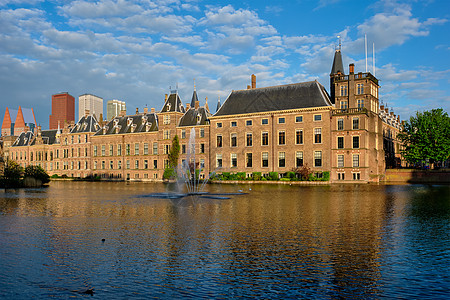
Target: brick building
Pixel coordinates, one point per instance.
(269, 129)
(63, 110)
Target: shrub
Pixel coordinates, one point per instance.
(54, 176)
(169, 173)
(285, 179)
(256, 175)
(226, 176)
(37, 173)
(326, 176)
(290, 174)
(240, 176)
(273, 176)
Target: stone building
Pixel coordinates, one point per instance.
(268, 129)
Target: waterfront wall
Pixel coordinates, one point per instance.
(417, 176)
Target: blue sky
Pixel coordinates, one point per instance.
(136, 50)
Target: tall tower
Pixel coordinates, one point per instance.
(63, 109)
(91, 103)
(337, 70)
(114, 108)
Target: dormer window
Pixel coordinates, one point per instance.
(129, 121)
(118, 127)
(168, 106)
(116, 122)
(199, 117)
(148, 126)
(144, 119)
(133, 127)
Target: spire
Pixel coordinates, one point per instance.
(194, 98)
(206, 104)
(6, 119)
(218, 105)
(338, 66)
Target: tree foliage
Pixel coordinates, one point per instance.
(11, 175)
(38, 173)
(174, 152)
(426, 137)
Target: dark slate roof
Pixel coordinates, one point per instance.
(190, 117)
(338, 66)
(86, 124)
(24, 139)
(194, 98)
(218, 105)
(48, 137)
(290, 96)
(121, 125)
(173, 103)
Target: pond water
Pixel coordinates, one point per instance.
(276, 241)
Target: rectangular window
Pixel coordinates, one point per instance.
(166, 119)
(265, 121)
(317, 135)
(299, 137)
(355, 161)
(202, 148)
(127, 149)
(219, 125)
(356, 176)
(344, 104)
(281, 120)
(343, 90)
(249, 160)
(136, 149)
(249, 139)
(298, 119)
(103, 150)
(155, 148)
(119, 164)
(299, 159)
(111, 150)
(317, 158)
(233, 141)
(265, 159)
(136, 164)
(233, 160)
(233, 124)
(360, 89)
(219, 141)
(360, 103)
(340, 142)
(145, 148)
(202, 132)
(341, 176)
(183, 149)
(155, 164)
(183, 133)
(281, 159)
(317, 117)
(340, 161)
(356, 142)
(218, 160)
(355, 123)
(340, 124)
(265, 138)
(248, 122)
(119, 149)
(281, 138)
(166, 149)
(145, 164)
(166, 134)
(202, 163)
(128, 164)
(95, 151)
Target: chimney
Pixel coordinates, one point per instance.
(152, 110)
(386, 110)
(165, 97)
(197, 104)
(253, 81)
(381, 107)
(137, 110)
(86, 112)
(188, 105)
(392, 114)
(352, 68)
(248, 87)
(145, 110)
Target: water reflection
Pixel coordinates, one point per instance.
(363, 241)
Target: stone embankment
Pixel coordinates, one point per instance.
(417, 176)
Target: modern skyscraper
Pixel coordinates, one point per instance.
(16, 121)
(114, 107)
(63, 109)
(92, 103)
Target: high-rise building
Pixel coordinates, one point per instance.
(17, 121)
(114, 108)
(63, 110)
(91, 103)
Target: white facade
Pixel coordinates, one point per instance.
(114, 107)
(92, 103)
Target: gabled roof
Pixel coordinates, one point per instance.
(86, 124)
(24, 139)
(130, 124)
(194, 116)
(337, 66)
(283, 97)
(48, 137)
(173, 104)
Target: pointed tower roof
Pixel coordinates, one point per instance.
(218, 105)
(194, 98)
(20, 122)
(6, 120)
(338, 66)
(206, 104)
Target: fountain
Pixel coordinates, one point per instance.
(189, 175)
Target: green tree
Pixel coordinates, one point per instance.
(37, 173)
(174, 152)
(11, 175)
(426, 137)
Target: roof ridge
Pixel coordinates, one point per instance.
(274, 86)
